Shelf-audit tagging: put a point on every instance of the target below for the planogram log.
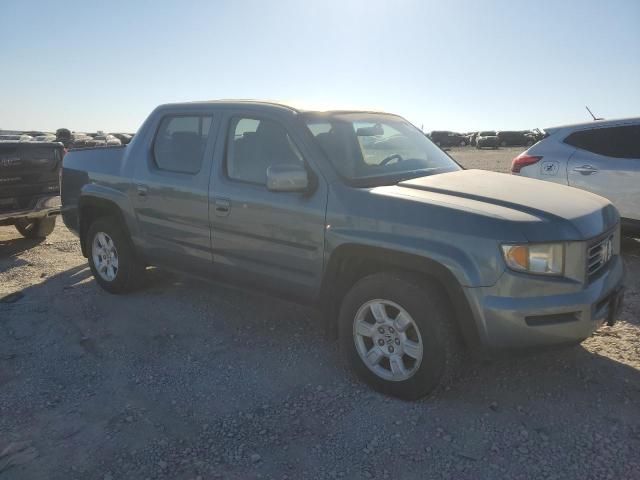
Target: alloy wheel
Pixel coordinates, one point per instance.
(387, 340)
(105, 256)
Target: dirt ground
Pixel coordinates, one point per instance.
(189, 380)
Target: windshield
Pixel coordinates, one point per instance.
(488, 134)
(376, 149)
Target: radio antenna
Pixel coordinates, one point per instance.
(592, 115)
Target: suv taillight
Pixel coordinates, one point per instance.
(522, 161)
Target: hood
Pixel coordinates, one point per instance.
(543, 211)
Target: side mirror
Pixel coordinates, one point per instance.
(287, 178)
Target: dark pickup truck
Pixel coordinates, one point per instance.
(30, 186)
(409, 255)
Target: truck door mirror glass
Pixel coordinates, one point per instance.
(287, 178)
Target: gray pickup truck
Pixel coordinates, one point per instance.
(410, 257)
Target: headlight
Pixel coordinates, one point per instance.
(543, 258)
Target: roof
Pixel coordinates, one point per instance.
(229, 103)
(594, 123)
(269, 104)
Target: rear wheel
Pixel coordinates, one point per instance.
(111, 257)
(35, 228)
(397, 334)
(503, 144)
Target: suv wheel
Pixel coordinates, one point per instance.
(503, 144)
(35, 228)
(396, 333)
(463, 143)
(111, 257)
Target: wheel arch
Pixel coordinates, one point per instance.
(350, 262)
(91, 208)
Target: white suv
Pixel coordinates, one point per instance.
(602, 157)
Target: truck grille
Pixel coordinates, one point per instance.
(599, 254)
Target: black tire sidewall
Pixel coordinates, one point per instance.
(42, 227)
(429, 316)
(127, 263)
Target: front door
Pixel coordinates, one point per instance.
(171, 191)
(607, 162)
(260, 236)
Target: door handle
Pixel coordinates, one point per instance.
(222, 207)
(586, 169)
(142, 190)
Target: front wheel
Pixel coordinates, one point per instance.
(35, 228)
(397, 334)
(112, 259)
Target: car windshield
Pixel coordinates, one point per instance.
(376, 149)
(488, 134)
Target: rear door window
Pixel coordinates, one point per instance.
(617, 142)
(256, 144)
(180, 143)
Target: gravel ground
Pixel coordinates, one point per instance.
(189, 380)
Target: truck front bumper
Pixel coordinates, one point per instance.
(534, 319)
(43, 206)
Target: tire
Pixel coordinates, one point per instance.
(122, 272)
(503, 144)
(431, 328)
(463, 143)
(35, 228)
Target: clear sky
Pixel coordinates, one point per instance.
(460, 65)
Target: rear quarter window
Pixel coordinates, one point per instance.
(618, 142)
(180, 143)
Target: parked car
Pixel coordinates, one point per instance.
(471, 138)
(408, 255)
(602, 157)
(81, 140)
(106, 140)
(29, 186)
(34, 133)
(448, 139)
(515, 139)
(45, 138)
(124, 138)
(15, 138)
(487, 139)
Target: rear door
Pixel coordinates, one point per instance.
(607, 162)
(273, 239)
(170, 191)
